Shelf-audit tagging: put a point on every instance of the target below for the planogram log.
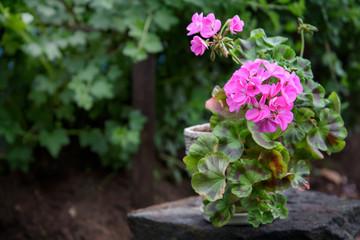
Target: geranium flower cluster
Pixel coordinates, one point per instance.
(269, 89)
(208, 27)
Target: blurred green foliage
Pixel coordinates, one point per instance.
(65, 68)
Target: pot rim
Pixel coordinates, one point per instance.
(193, 131)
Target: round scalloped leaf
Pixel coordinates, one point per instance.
(282, 52)
(303, 150)
(335, 103)
(256, 217)
(274, 184)
(305, 113)
(246, 173)
(210, 181)
(221, 210)
(230, 138)
(274, 161)
(316, 93)
(294, 135)
(204, 144)
(277, 204)
(261, 138)
(302, 68)
(316, 139)
(285, 154)
(330, 132)
(302, 174)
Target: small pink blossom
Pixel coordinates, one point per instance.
(236, 25)
(267, 125)
(196, 24)
(283, 118)
(236, 89)
(259, 112)
(210, 26)
(198, 46)
(253, 89)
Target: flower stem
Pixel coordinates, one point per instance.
(302, 43)
(236, 59)
(145, 31)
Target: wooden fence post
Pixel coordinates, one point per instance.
(143, 98)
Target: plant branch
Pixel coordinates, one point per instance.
(145, 31)
(302, 43)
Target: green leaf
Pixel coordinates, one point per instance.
(256, 217)
(302, 67)
(314, 92)
(302, 174)
(274, 135)
(210, 181)
(165, 18)
(33, 49)
(332, 127)
(257, 45)
(95, 139)
(282, 52)
(329, 134)
(102, 89)
(277, 204)
(89, 73)
(82, 97)
(303, 150)
(230, 138)
(261, 138)
(10, 129)
(246, 173)
(131, 50)
(294, 135)
(54, 140)
(19, 157)
(221, 210)
(273, 160)
(303, 114)
(52, 51)
(256, 200)
(335, 103)
(316, 139)
(153, 44)
(44, 84)
(136, 120)
(204, 144)
(275, 184)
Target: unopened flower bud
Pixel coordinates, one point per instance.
(212, 55)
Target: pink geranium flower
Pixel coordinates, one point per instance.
(198, 46)
(196, 24)
(273, 85)
(210, 26)
(267, 125)
(283, 118)
(236, 25)
(259, 112)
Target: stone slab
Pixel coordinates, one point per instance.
(312, 215)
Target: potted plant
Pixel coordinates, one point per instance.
(268, 120)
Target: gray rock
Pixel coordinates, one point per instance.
(312, 215)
